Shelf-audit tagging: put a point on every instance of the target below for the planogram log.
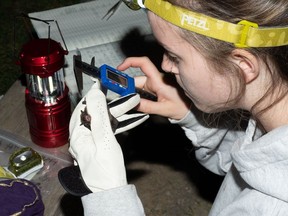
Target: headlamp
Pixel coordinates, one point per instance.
(242, 34)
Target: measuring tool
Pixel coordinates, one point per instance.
(110, 78)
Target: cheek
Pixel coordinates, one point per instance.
(193, 80)
(208, 92)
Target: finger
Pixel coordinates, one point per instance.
(102, 133)
(140, 82)
(151, 107)
(127, 122)
(75, 117)
(147, 67)
(80, 136)
(81, 142)
(122, 105)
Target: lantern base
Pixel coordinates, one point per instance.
(49, 124)
(49, 140)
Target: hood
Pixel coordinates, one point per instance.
(263, 163)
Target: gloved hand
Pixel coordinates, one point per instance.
(92, 142)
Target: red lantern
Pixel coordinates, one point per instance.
(47, 100)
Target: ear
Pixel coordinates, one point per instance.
(248, 64)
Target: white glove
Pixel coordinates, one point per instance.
(97, 151)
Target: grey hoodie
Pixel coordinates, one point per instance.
(255, 166)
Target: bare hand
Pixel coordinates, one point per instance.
(172, 103)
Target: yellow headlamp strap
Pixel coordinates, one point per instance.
(243, 34)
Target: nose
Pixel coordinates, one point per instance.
(167, 64)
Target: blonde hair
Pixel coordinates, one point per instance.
(264, 13)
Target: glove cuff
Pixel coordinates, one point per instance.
(72, 181)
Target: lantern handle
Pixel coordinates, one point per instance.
(48, 23)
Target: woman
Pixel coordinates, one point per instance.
(225, 55)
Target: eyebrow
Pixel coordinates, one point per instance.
(167, 48)
(163, 45)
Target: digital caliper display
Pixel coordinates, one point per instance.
(115, 77)
(111, 79)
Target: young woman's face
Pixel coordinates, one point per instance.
(206, 88)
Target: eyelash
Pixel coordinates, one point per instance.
(172, 58)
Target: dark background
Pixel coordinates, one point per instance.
(14, 33)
